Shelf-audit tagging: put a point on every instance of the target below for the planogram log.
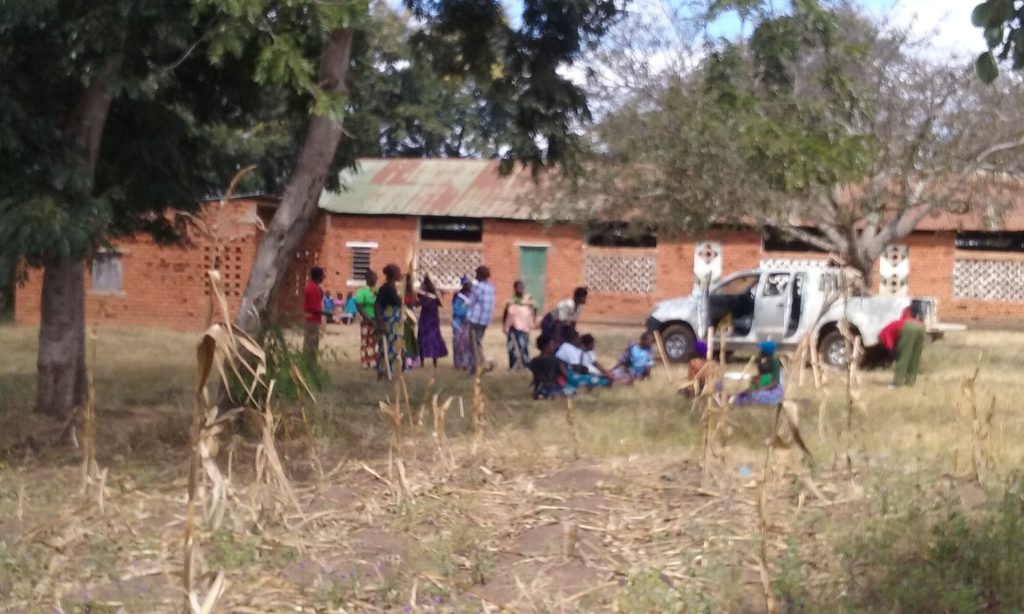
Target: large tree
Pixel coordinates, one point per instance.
(106, 120)
(820, 123)
(518, 71)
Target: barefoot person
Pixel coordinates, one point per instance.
(388, 311)
(905, 337)
(364, 300)
(462, 343)
(432, 344)
(564, 317)
(481, 312)
(313, 309)
(520, 314)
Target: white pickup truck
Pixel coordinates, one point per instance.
(784, 305)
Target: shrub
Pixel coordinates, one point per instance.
(959, 564)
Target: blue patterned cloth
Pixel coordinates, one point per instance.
(481, 304)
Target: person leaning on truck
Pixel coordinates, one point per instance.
(905, 336)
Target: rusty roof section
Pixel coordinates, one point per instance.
(473, 188)
(442, 187)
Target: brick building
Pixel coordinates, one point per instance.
(457, 214)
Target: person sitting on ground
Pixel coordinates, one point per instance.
(547, 371)
(577, 353)
(349, 312)
(702, 369)
(565, 316)
(766, 387)
(638, 359)
(905, 337)
(328, 307)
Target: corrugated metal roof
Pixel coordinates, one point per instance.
(473, 188)
(443, 187)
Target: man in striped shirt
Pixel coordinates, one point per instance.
(481, 311)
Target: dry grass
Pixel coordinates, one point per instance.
(525, 527)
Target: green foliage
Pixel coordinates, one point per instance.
(959, 564)
(1002, 25)
(281, 357)
(649, 590)
(788, 583)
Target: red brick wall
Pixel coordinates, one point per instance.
(166, 286)
(161, 286)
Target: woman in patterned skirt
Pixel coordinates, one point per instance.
(462, 344)
(364, 298)
(388, 310)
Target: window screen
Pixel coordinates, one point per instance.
(466, 229)
(106, 272)
(621, 235)
(777, 241)
(991, 241)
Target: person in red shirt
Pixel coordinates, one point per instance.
(313, 308)
(905, 337)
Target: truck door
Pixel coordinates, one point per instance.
(772, 307)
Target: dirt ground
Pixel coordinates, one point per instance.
(628, 515)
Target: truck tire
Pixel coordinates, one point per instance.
(832, 350)
(678, 340)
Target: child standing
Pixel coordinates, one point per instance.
(329, 307)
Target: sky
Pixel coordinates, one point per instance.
(943, 26)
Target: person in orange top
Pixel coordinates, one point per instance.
(313, 308)
(904, 336)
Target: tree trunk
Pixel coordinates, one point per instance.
(300, 202)
(60, 381)
(61, 362)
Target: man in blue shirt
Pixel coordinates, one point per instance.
(481, 311)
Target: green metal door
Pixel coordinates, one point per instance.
(533, 266)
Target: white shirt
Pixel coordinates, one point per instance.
(573, 356)
(567, 311)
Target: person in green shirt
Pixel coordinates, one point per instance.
(766, 388)
(365, 297)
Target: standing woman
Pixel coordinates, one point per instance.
(431, 342)
(388, 311)
(364, 299)
(410, 345)
(520, 314)
(462, 343)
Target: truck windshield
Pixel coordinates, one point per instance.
(738, 285)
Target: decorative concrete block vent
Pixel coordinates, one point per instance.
(993, 280)
(621, 274)
(230, 267)
(446, 265)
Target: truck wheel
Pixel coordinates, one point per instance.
(678, 340)
(832, 350)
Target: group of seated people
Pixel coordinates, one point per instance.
(765, 387)
(568, 364)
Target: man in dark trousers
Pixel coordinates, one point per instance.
(313, 309)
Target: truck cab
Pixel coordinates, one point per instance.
(784, 305)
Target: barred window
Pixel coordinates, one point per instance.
(620, 273)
